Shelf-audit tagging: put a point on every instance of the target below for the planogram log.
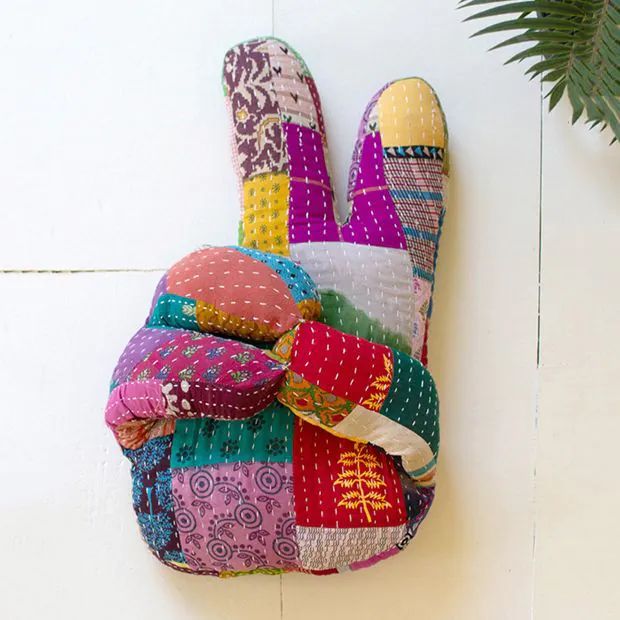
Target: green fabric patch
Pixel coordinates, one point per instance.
(412, 400)
(265, 437)
(174, 311)
(340, 313)
(240, 234)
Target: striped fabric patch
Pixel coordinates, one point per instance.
(416, 188)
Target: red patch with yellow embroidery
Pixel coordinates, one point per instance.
(341, 364)
(339, 483)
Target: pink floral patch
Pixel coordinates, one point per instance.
(236, 516)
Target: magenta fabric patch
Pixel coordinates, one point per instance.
(311, 214)
(305, 154)
(374, 220)
(200, 373)
(187, 399)
(191, 356)
(236, 516)
(384, 555)
(138, 399)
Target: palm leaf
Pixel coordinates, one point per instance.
(574, 46)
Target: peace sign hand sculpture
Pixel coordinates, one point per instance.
(318, 454)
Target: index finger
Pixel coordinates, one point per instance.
(279, 147)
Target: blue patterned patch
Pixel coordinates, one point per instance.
(152, 496)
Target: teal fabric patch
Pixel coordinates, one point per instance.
(174, 311)
(412, 400)
(298, 281)
(266, 437)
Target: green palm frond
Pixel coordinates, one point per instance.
(576, 48)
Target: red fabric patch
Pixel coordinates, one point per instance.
(237, 284)
(424, 354)
(339, 363)
(339, 483)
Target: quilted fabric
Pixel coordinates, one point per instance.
(375, 272)
(235, 291)
(275, 406)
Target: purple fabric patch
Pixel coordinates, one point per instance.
(236, 516)
(142, 343)
(311, 214)
(373, 220)
(255, 111)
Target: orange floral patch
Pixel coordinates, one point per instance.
(284, 347)
(133, 435)
(306, 399)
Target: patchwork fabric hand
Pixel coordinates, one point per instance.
(225, 479)
(375, 272)
(261, 439)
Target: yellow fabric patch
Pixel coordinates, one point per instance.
(265, 213)
(310, 309)
(283, 349)
(410, 115)
(215, 321)
(226, 574)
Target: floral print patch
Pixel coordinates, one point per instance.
(236, 516)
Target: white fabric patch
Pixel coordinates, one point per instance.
(393, 437)
(321, 548)
(376, 280)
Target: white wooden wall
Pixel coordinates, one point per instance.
(114, 162)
